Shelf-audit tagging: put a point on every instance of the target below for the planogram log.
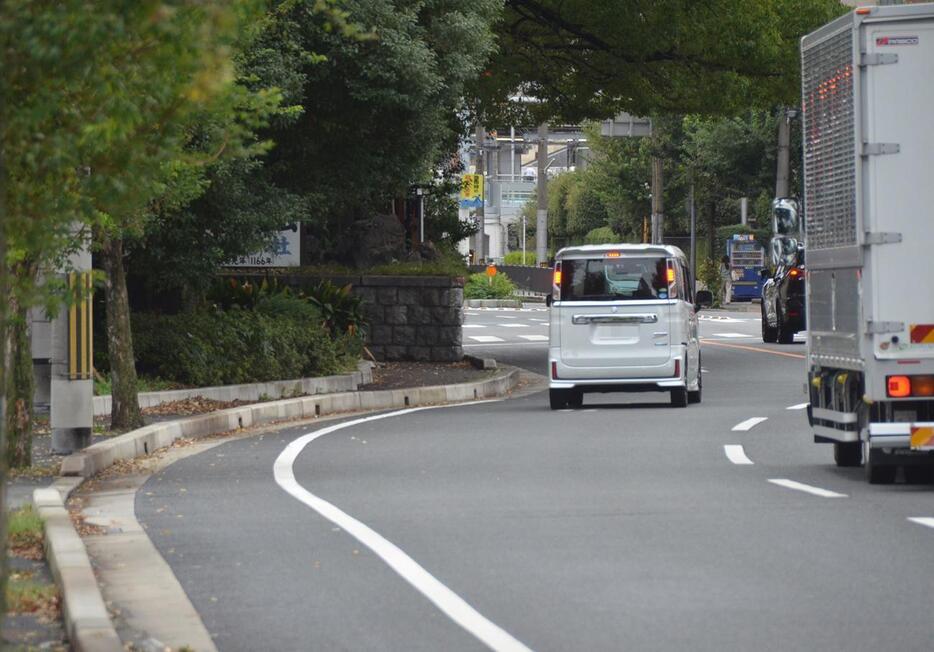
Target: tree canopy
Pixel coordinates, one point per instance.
(589, 60)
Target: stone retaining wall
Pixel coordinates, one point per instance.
(409, 317)
(413, 318)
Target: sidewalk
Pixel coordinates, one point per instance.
(145, 606)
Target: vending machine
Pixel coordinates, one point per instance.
(747, 258)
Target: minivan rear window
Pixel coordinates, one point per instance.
(614, 279)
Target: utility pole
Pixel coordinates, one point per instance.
(784, 143)
(541, 222)
(481, 169)
(693, 236)
(658, 201)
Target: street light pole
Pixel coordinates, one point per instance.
(541, 222)
(481, 245)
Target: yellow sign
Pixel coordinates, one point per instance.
(471, 191)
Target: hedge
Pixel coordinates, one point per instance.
(222, 347)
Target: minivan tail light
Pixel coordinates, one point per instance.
(677, 368)
(554, 370)
(556, 282)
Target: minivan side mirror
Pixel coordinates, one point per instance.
(703, 299)
(549, 299)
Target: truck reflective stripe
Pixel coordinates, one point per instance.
(922, 333)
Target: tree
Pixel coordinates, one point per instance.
(172, 77)
(584, 59)
(379, 114)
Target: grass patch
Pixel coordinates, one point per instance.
(25, 596)
(24, 533)
(24, 527)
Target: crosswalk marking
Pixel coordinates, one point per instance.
(474, 326)
(535, 338)
(486, 338)
(513, 325)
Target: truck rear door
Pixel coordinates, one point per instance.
(898, 99)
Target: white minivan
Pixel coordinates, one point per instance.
(624, 319)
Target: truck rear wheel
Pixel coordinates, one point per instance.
(769, 334)
(848, 453)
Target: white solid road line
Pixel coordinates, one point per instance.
(736, 454)
(486, 338)
(922, 520)
(748, 424)
(806, 488)
(735, 335)
(799, 406)
(451, 604)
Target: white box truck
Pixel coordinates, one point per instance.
(868, 136)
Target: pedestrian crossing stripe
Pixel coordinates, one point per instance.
(485, 339)
(535, 338)
(922, 333)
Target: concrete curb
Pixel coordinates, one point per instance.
(253, 391)
(86, 619)
(492, 303)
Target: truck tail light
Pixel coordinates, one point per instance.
(796, 272)
(898, 386)
(905, 386)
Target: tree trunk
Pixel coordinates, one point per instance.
(4, 365)
(19, 391)
(125, 413)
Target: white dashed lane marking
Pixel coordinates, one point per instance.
(486, 338)
(799, 406)
(736, 454)
(922, 520)
(806, 488)
(748, 424)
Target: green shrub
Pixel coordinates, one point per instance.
(601, 235)
(515, 258)
(284, 337)
(708, 272)
(481, 286)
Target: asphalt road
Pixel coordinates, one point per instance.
(624, 525)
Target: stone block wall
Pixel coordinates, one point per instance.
(410, 317)
(413, 317)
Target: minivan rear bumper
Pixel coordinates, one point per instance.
(618, 379)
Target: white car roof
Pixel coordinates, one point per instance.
(589, 251)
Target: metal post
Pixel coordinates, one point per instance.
(658, 201)
(541, 221)
(512, 156)
(744, 210)
(523, 238)
(421, 215)
(693, 237)
(784, 143)
(481, 169)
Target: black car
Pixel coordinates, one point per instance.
(783, 301)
